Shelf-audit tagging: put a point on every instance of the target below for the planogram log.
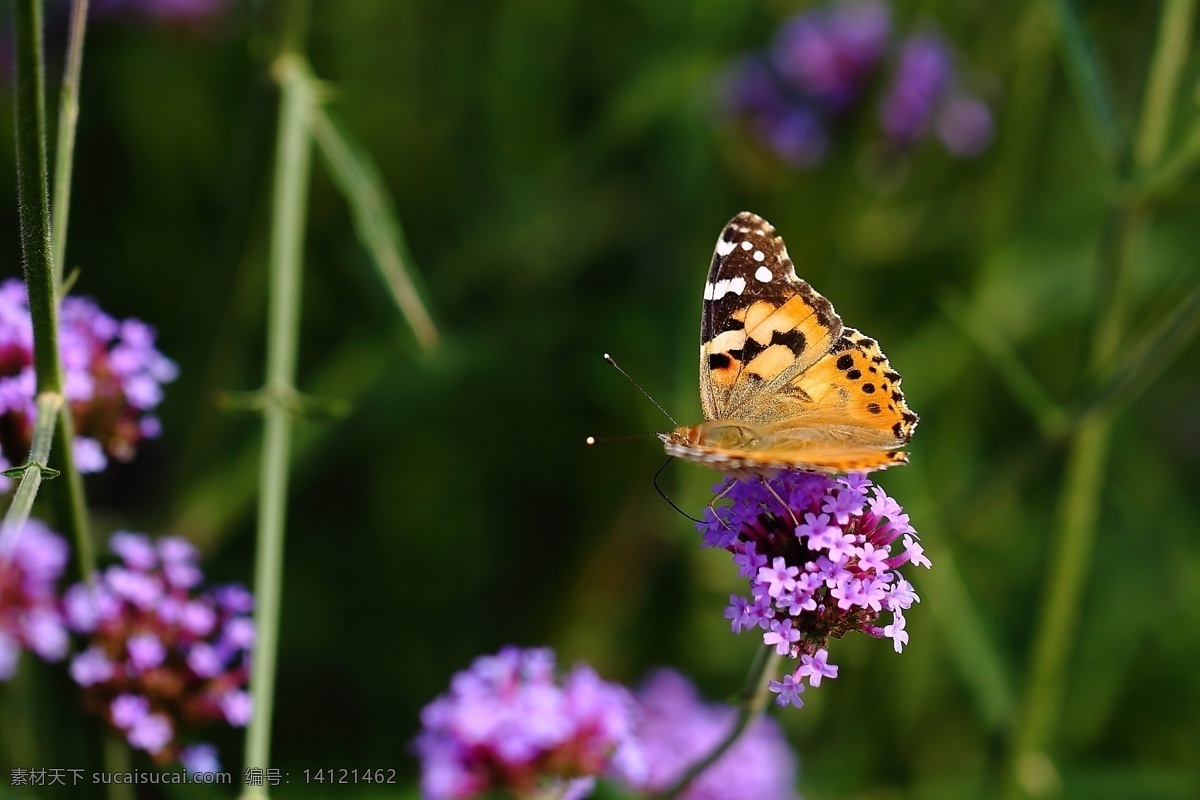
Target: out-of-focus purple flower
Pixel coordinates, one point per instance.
(167, 10)
(921, 78)
(833, 573)
(965, 126)
(159, 657)
(677, 728)
(200, 758)
(827, 61)
(113, 379)
(31, 561)
(508, 724)
(829, 52)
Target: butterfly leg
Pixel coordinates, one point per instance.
(775, 494)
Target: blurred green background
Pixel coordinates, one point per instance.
(561, 171)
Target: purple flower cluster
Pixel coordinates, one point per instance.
(167, 10)
(160, 654)
(509, 724)
(113, 373)
(31, 562)
(819, 568)
(827, 61)
(677, 728)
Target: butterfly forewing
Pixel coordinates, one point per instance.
(783, 384)
(761, 325)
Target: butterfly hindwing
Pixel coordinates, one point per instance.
(761, 325)
(853, 387)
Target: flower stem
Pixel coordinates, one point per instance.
(287, 237)
(751, 702)
(1031, 772)
(32, 191)
(72, 498)
(1170, 54)
(68, 115)
(30, 136)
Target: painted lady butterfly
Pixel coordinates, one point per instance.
(783, 384)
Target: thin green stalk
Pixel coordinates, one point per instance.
(1031, 772)
(375, 220)
(751, 702)
(1170, 53)
(117, 760)
(34, 200)
(72, 498)
(33, 193)
(1088, 79)
(287, 238)
(68, 115)
(32, 472)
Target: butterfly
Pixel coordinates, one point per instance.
(783, 383)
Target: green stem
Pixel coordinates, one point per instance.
(116, 760)
(287, 239)
(32, 191)
(1170, 54)
(1088, 79)
(751, 702)
(32, 472)
(68, 115)
(33, 196)
(72, 497)
(1031, 772)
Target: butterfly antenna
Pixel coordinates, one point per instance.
(610, 360)
(663, 494)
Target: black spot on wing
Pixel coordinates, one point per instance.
(719, 360)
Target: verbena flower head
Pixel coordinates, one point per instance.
(677, 728)
(832, 59)
(826, 565)
(510, 724)
(161, 656)
(31, 562)
(113, 379)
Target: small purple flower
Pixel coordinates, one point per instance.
(145, 651)
(789, 690)
(31, 561)
(677, 728)
(113, 379)
(816, 667)
(127, 710)
(508, 724)
(923, 75)
(160, 657)
(151, 733)
(91, 666)
(835, 572)
(237, 707)
(200, 758)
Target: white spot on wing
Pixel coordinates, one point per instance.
(763, 275)
(709, 289)
(724, 248)
(737, 285)
(759, 255)
(746, 245)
